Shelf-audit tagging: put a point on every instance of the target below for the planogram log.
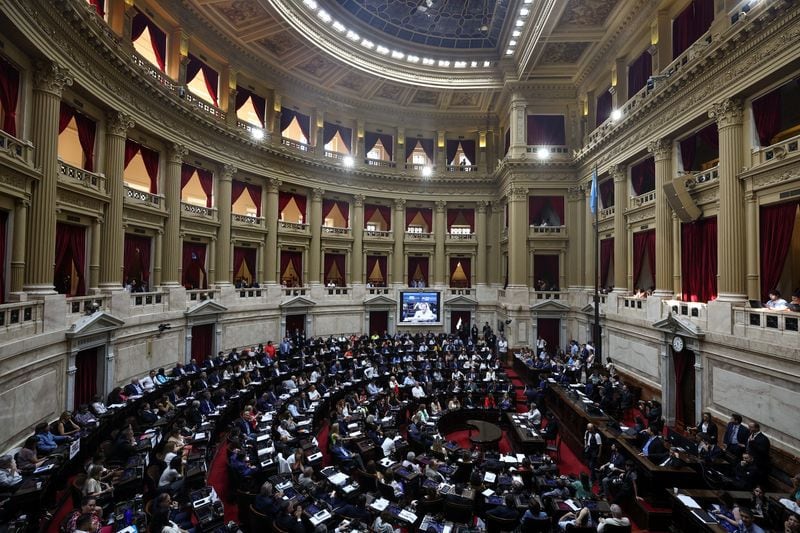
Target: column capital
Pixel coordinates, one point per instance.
(316, 194)
(441, 206)
(176, 152)
(228, 171)
(575, 193)
(273, 185)
(399, 204)
(618, 172)
(118, 123)
(50, 77)
(23, 202)
(358, 200)
(727, 113)
(660, 148)
(517, 193)
(481, 206)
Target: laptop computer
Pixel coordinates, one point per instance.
(756, 304)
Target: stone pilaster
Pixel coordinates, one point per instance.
(662, 153)
(590, 250)
(399, 233)
(494, 258)
(620, 175)
(518, 122)
(575, 242)
(18, 246)
(157, 259)
(481, 234)
(731, 252)
(172, 249)
(49, 80)
(271, 252)
(357, 226)
(94, 259)
(113, 235)
(753, 268)
(224, 261)
(315, 223)
(439, 235)
(517, 236)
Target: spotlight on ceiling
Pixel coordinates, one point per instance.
(427, 171)
(348, 161)
(616, 115)
(542, 153)
(257, 134)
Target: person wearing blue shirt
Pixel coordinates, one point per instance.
(46, 442)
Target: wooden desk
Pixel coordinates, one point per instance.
(573, 416)
(654, 479)
(687, 521)
(525, 435)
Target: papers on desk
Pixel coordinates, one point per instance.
(386, 462)
(551, 380)
(510, 459)
(487, 492)
(572, 505)
(320, 517)
(285, 485)
(688, 501)
(45, 468)
(338, 479)
(380, 504)
(355, 434)
(350, 488)
(314, 457)
(263, 436)
(490, 477)
(623, 428)
(408, 516)
(199, 436)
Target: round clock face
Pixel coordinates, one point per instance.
(677, 343)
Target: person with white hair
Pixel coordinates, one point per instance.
(616, 519)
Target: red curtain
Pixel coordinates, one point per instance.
(194, 266)
(337, 260)
(246, 256)
(603, 111)
(285, 197)
(150, 159)
(777, 223)
(65, 114)
(136, 258)
(425, 213)
(259, 103)
(329, 132)
(638, 72)
(546, 130)
(85, 377)
(131, 149)
(548, 329)
(452, 216)
(606, 253)
(158, 38)
(690, 24)
(378, 322)
(451, 147)
(607, 193)
(385, 212)
(304, 121)
(99, 7)
(9, 96)
(3, 240)
(207, 183)
(371, 139)
(541, 207)
(644, 242)
(545, 267)
(238, 187)
(536, 205)
(767, 114)
(699, 260)
(643, 176)
(380, 262)
(194, 66)
(296, 260)
(70, 253)
(469, 151)
(344, 209)
(202, 342)
(417, 264)
(86, 136)
(688, 151)
(465, 266)
(187, 171)
(682, 362)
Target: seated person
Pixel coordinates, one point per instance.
(9, 475)
(46, 442)
(654, 448)
(582, 519)
(505, 512)
(775, 302)
(742, 520)
(84, 417)
(88, 508)
(265, 502)
(616, 519)
(27, 459)
(534, 511)
(66, 426)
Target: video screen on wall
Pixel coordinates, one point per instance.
(420, 308)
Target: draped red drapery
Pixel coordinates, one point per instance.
(259, 103)
(424, 212)
(85, 377)
(545, 267)
(99, 7)
(690, 24)
(202, 342)
(238, 187)
(86, 132)
(285, 197)
(682, 362)
(643, 176)
(337, 275)
(150, 160)
(426, 144)
(136, 259)
(546, 130)
(244, 256)
(344, 209)
(777, 225)
(295, 259)
(304, 121)
(330, 130)
(9, 96)
(644, 242)
(548, 329)
(194, 266)
(70, 254)
(372, 138)
(158, 38)
(194, 66)
(468, 215)
(417, 270)
(604, 104)
(607, 193)
(606, 254)
(466, 264)
(376, 277)
(638, 73)
(767, 115)
(548, 209)
(699, 260)
(3, 240)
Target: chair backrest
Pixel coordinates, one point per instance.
(457, 512)
(500, 525)
(536, 525)
(258, 521)
(611, 528)
(581, 529)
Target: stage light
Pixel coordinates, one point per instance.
(426, 172)
(616, 115)
(257, 134)
(543, 153)
(348, 161)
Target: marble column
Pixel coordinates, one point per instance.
(224, 261)
(211, 258)
(753, 268)
(621, 88)
(518, 123)
(94, 260)
(676, 255)
(481, 234)
(315, 223)
(440, 161)
(590, 249)
(18, 246)
(731, 252)
(357, 227)
(494, 258)
(662, 153)
(574, 243)
(271, 252)
(172, 250)
(113, 235)
(620, 175)
(517, 236)
(157, 259)
(49, 80)
(439, 235)
(399, 234)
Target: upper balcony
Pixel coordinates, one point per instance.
(83, 178)
(331, 231)
(642, 200)
(416, 237)
(608, 212)
(247, 221)
(15, 151)
(136, 196)
(378, 235)
(293, 227)
(788, 148)
(462, 238)
(379, 163)
(547, 232)
(198, 211)
(296, 145)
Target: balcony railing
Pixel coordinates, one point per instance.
(149, 302)
(295, 145)
(337, 291)
(200, 295)
(334, 155)
(251, 293)
(607, 212)
(688, 309)
(549, 295)
(199, 210)
(419, 236)
(643, 199)
(765, 319)
(541, 231)
(143, 197)
(154, 72)
(379, 163)
(90, 180)
(22, 315)
(203, 106)
(777, 151)
(374, 291)
(699, 178)
(292, 226)
(330, 230)
(416, 166)
(461, 168)
(247, 220)
(378, 234)
(16, 149)
(461, 237)
(460, 291)
(291, 292)
(86, 305)
(551, 150)
(638, 304)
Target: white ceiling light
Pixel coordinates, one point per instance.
(512, 42)
(519, 22)
(353, 36)
(516, 33)
(460, 64)
(324, 16)
(338, 26)
(311, 4)
(542, 153)
(427, 171)
(413, 59)
(398, 55)
(382, 50)
(524, 11)
(444, 63)
(348, 161)
(367, 44)
(510, 52)
(428, 61)
(257, 134)
(616, 115)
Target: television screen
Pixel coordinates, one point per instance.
(420, 308)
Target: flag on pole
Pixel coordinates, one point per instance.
(458, 326)
(593, 193)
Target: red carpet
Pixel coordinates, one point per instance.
(462, 439)
(218, 478)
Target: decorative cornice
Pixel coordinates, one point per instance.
(441, 206)
(515, 193)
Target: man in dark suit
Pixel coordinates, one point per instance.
(654, 448)
(505, 512)
(758, 446)
(735, 439)
(134, 388)
(192, 366)
(746, 474)
(178, 371)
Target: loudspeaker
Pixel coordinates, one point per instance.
(681, 201)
